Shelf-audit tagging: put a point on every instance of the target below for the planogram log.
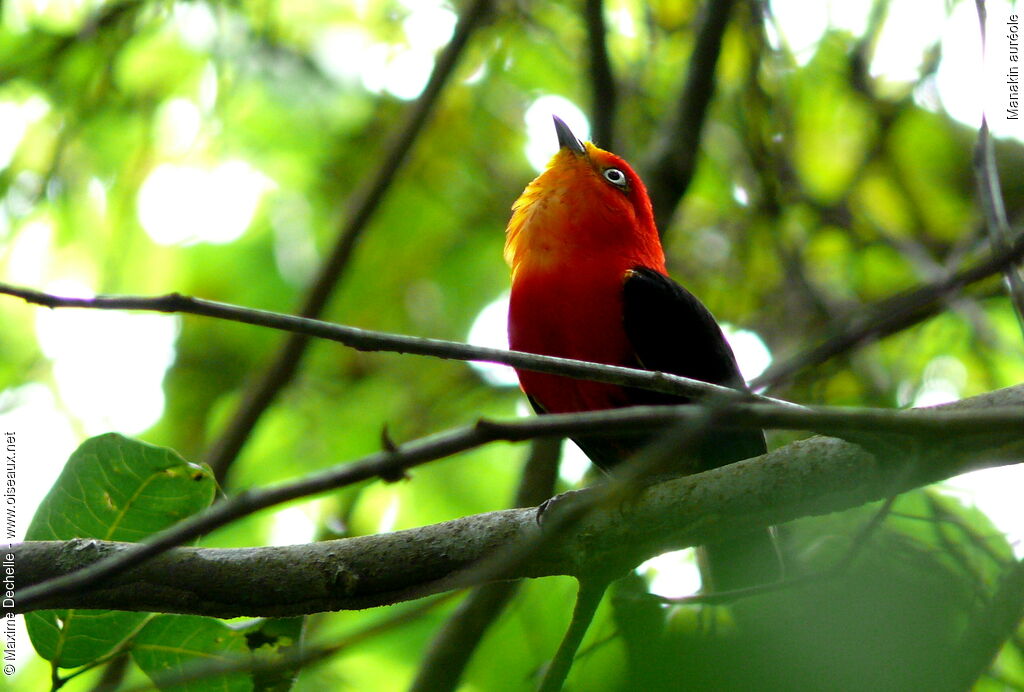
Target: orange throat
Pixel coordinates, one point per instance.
(570, 242)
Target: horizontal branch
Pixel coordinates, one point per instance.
(804, 478)
(367, 340)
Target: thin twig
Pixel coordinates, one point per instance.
(260, 394)
(366, 340)
(941, 514)
(114, 657)
(886, 317)
(996, 224)
(113, 674)
(990, 191)
(759, 412)
(988, 631)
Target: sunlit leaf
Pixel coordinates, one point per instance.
(118, 489)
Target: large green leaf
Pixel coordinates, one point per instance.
(170, 646)
(117, 489)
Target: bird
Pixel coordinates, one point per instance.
(589, 282)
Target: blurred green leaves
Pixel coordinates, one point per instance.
(818, 190)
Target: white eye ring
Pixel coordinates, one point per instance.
(615, 177)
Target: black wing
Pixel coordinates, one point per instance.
(671, 331)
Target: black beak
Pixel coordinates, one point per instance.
(566, 138)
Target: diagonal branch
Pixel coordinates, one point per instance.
(588, 598)
(455, 643)
(892, 315)
(260, 394)
(990, 628)
(673, 159)
(998, 227)
(603, 95)
(804, 478)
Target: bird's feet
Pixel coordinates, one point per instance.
(555, 505)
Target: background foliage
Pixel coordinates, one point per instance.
(216, 149)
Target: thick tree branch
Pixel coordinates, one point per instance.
(261, 393)
(391, 464)
(867, 424)
(805, 478)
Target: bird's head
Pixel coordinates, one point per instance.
(586, 201)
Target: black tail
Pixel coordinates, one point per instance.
(740, 563)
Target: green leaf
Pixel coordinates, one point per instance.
(270, 641)
(72, 638)
(117, 489)
(173, 645)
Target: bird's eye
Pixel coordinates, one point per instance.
(615, 177)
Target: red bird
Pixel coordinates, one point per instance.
(589, 282)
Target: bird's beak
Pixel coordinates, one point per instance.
(566, 139)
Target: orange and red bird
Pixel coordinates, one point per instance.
(589, 282)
